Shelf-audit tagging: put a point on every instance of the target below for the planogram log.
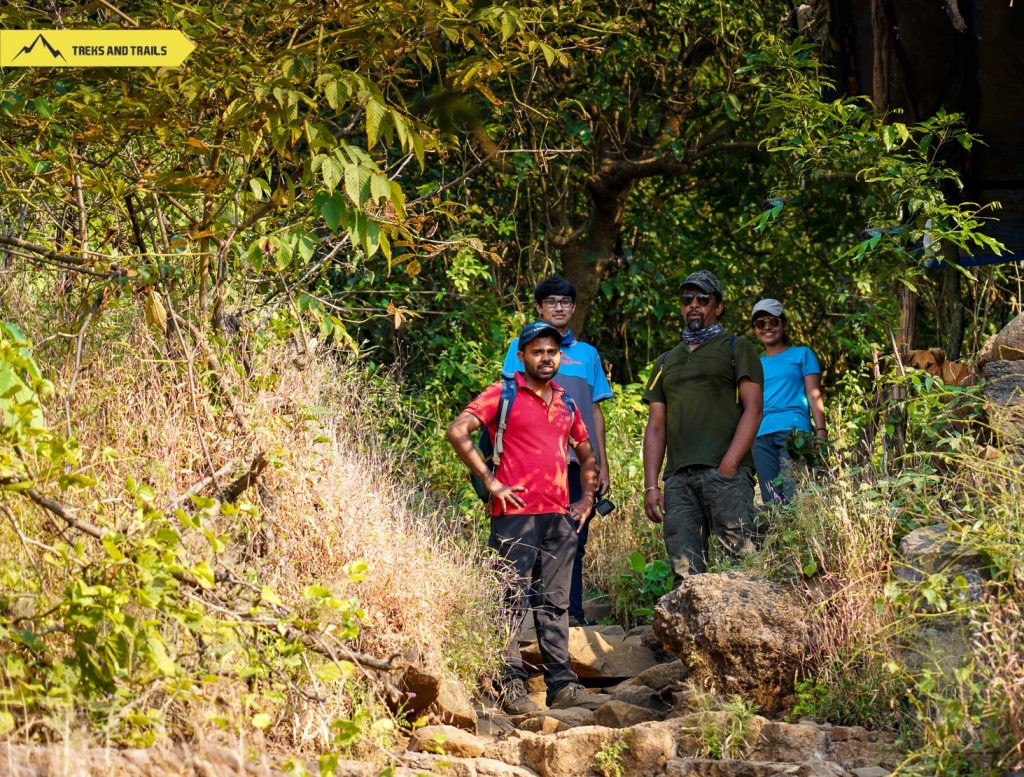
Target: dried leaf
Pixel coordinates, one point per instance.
(154, 309)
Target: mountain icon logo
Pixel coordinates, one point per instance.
(55, 53)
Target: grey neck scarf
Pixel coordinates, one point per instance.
(702, 335)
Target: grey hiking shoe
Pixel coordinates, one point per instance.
(575, 695)
(515, 699)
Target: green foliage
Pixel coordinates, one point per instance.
(609, 758)
(116, 625)
(723, 732)
(647, 582)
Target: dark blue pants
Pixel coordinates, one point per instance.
(538, 550)
(772, 461)
(576, 582)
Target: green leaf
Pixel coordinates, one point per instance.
(261, 720)
(6, 722)
(376, 114)
(330, 673)
(203, 574)
(357, 183)
(159, 655)
(637, 562)
(380, 187)
(331, 208)
(332, 170)
(357, 570)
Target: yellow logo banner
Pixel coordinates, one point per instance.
(93, 48)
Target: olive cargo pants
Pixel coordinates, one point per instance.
(699, 501)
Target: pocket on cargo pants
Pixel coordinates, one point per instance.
(730, 503)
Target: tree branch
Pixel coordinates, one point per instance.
(235, 489)
(45, 253)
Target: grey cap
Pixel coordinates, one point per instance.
(536, 329)
(706, 281)
(770, 306)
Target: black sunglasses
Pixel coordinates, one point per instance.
(767, 321)
(702, 299)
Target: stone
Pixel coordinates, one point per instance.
(740, 634)
(640, 696)
(1004, 383)
(419, 686)
(599, 653)
(708, 767)
(793, 742)
(573, 753)
(491, 726)
(855, 747)
(569, 717)
(198, 760)
(446, 739)
(420, 764)
(661, 676)
(1007, 345)
(453, 705)
(870, 771)
(931, 549)
(598, 609)
(547, 724)
(620, 714)
(535, 684)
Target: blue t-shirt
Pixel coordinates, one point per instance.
(581, 375)
(785, 396)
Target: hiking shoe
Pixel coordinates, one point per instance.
(515, 699)
(575, 623)
(575, 695)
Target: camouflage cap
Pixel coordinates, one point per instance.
(706, 281)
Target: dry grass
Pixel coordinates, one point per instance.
(149, 408)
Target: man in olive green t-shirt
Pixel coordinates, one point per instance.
(704, 404)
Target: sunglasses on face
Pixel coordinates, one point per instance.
(767, 322)
(557, 302)
(702, 299)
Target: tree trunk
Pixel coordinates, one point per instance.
(949, 309)
(908, 318)
(584, 259)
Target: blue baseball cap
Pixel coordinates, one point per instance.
(536, 329)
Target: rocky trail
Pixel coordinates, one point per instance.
(741, 636)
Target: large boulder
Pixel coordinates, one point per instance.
(1007, 345)
(740, 634)
(1004, 383)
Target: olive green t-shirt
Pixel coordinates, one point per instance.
(700, 391)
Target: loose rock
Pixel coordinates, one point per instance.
(739, 633)
(446, 739)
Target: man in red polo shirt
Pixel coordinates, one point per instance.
(531, 516)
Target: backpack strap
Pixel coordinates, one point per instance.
(659, 367)
(571, 404)
(508, 395)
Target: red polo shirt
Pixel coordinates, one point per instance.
(536, 445)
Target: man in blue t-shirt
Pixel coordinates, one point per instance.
(582, 376)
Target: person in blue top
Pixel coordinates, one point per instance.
(792, 396)
(582, 376)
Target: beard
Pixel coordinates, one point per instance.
(535, 373)
(695, 324)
